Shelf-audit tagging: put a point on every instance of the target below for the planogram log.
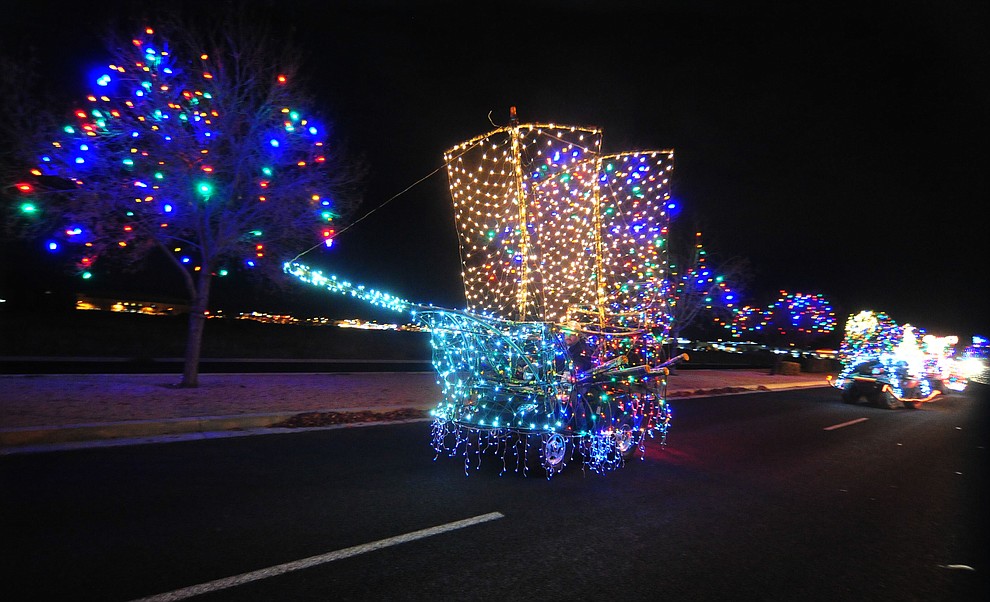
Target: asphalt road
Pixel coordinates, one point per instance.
(772, 496)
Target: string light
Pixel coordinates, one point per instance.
(794, 316)
(160, 124)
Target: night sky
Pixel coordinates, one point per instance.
(839, 150)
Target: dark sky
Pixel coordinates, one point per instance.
(840, 150)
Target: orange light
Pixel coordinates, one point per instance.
(281, 79)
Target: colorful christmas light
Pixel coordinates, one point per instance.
(150, 153)
(794, 317)
(557, 241)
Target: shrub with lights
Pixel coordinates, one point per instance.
(558, 354)
(794, 319)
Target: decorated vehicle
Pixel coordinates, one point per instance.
(891, 366)
(559, 352)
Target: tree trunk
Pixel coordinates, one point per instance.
(194, 334)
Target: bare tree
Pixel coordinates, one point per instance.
(195, 143)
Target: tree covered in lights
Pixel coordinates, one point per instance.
(699, 289)
(198, 145)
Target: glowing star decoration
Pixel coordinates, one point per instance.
(559, 353)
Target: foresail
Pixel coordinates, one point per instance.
(634, 195)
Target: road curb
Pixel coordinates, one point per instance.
(24, 437)
(135, 428)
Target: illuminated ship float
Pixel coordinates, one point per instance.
(559, 354)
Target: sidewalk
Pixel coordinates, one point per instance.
(41, 411)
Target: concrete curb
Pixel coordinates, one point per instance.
(136, 428)
(144, 431)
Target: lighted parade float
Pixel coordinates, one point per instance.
(558, 356)
(895, 366)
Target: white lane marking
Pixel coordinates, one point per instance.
(305, 563)
(838, 426)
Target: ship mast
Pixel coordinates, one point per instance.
(521, 294)
(599, 262)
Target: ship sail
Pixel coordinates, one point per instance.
(550, 229)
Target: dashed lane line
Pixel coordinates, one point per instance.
(851, 422)
(305, 563)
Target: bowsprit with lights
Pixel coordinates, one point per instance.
(558, 355)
